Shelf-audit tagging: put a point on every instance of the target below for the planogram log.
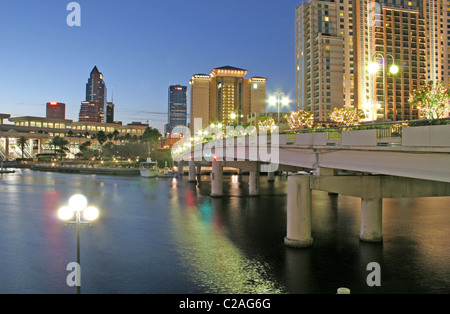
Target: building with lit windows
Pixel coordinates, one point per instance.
(39, 132)
(338, 41)
(93, 108)
(324, 57)
(109, 112)
(225, 96)
(177, 108)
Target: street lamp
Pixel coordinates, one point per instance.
(77, 205)
(373, 69)
(279, 99)
(236, 115)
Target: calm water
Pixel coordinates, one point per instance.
(160, 236)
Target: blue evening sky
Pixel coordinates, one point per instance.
(141, 47)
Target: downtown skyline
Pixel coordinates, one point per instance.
(140, 47)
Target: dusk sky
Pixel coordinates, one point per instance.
(141, 47)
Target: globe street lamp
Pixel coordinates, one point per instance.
(78, 205)
(279, 99)
(236, 116)
(373, 68)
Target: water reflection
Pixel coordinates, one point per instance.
(215, 263)
(169, 236)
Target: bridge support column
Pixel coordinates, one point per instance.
(254, 183)
(298, 212)
(6, 148)
(217, 179)
(192, 171)
(371, 220)
(271, 176)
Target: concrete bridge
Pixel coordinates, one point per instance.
(359, 163)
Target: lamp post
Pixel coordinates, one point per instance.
(236, 116)
(278, 99)
(373, 69)
(77, 205)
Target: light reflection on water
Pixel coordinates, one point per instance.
(169, 236)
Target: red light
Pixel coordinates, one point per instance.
(53, 103)
(215, 157)
(178, 88)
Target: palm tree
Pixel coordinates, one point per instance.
(59, 142)
(22, 141)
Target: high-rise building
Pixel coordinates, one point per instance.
(413, 35)
(389, 32)
(437, 17)
(91, 111)
(110, 112)
(324, 57)
(56, 110)
(225, 96)
(93, 108)
(177, 108)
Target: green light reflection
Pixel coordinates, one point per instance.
(214, 261)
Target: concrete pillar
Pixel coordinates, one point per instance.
(180, 168)
(371, 220)
(271, 176)
(192, 171)
(199, 172)
(217, 179)
(253, 183)
(298, 212)
(6, 148)
(31, 141)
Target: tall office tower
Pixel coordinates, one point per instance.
(324, 57)
(225, 96)
(177, 108)
(93, 109)
(109, 112)
(56, 110)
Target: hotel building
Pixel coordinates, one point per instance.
(225, 96)
(337, 41)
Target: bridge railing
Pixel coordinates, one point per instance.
(398, 133)
(384, 129)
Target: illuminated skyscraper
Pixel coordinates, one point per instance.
(177, 108)
(109, 112)
(93, 109)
